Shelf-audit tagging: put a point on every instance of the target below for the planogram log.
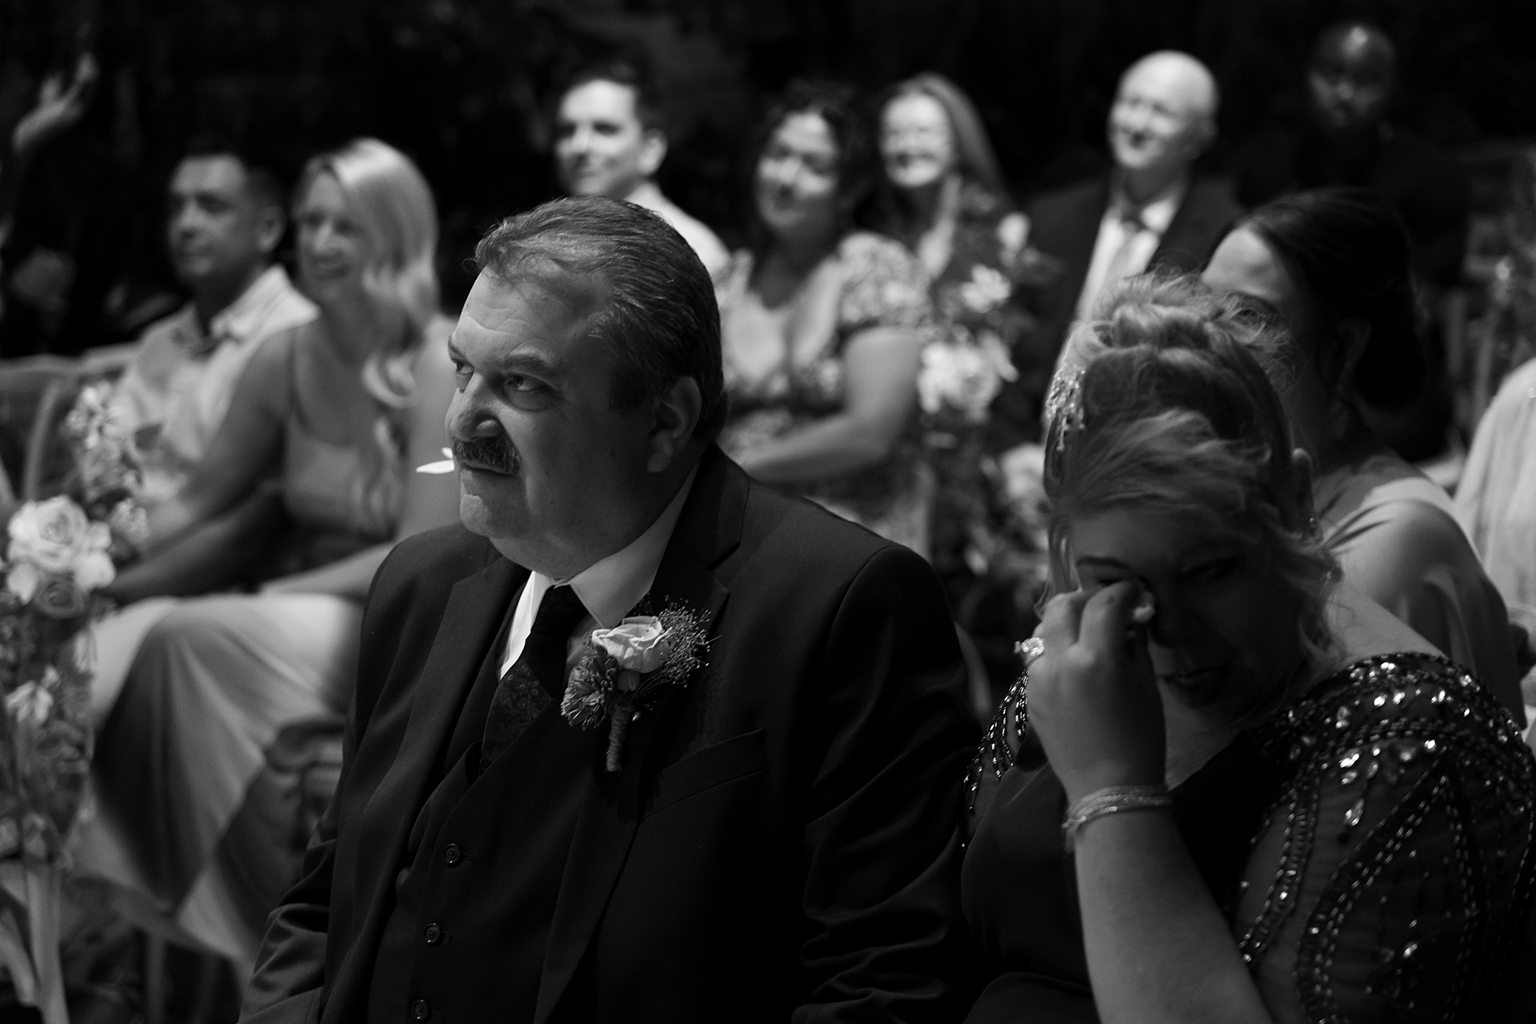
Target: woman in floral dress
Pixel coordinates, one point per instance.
(823, 326)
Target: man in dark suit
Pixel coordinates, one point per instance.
(1149, 211)
(1350, 136)
(771, 834)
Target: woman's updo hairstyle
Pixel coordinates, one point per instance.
(1163, 405)
(1349, 254)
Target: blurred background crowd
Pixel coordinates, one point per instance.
(891, 319)
(468, 89)
(464, 86)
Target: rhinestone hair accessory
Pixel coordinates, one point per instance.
(1063, 408)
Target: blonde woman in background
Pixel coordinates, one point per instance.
(944, 198)
(331, 416)
(947, 200)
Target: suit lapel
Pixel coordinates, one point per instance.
(470, 621)
(1200, 220)
(1070, 237)
(708, 529)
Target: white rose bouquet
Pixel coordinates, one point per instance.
(986, 314)
(959, 377)
(964, 367)
(625, 669)
(58, 554)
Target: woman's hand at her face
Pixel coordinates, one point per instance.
(1093, 697)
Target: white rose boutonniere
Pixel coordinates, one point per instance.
(638, 644)
(625, 669)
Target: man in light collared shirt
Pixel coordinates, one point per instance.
(1151, 210)
(224, 223)
(610, 141)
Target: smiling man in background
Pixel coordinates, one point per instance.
(610, 141)
(225, 218)
(1151, 210)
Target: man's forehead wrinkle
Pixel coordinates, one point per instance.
(527, 305)
(580, 291)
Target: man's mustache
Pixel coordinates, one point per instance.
(493, 453)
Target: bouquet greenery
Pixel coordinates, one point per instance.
(59, 553)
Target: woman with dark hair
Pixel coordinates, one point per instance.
(1237, 790)
(822, 325)
(1332, 267)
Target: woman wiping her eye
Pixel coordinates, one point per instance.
(1238, 790)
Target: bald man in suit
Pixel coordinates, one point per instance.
(1150, 211)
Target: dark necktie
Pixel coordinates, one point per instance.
(537, 678)
(1131, 227)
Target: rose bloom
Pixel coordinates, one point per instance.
(22, 580)
(957, 377)
(95, 570)
(59, 597)
(987, 289)
(57, 537)
(638, 644)
(937, 380)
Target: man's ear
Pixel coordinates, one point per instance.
(269, 228)
(653, 150)
(677, 413)
(1200, 138)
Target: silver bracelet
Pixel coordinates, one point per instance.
(1112, 800)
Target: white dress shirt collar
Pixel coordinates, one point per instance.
(248, 314)
(1156, 213)
(608, 588)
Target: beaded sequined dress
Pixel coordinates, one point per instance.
(1373, 846)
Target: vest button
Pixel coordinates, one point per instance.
(452, 854)
(420, 1010)
(432, 934)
